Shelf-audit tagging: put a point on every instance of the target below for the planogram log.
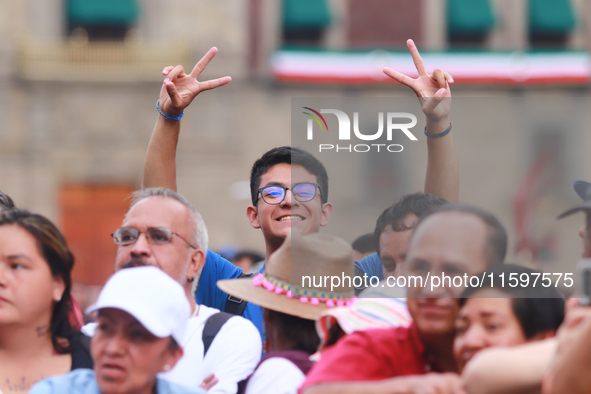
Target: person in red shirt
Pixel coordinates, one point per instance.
(455, 240)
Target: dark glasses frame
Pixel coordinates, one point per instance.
(294, 193)
(151, 236)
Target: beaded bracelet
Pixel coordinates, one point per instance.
(177, 118)
(442, 134)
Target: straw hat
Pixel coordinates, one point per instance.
(319, 261)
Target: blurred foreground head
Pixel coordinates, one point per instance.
(453, 240)
(496, 314)
(143, 314)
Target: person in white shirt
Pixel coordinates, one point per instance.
(163, 229)
(231, 357)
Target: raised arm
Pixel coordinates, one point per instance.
(442, 178)
(518, 369)
(569, 372)
(444, 383)
(177, 92)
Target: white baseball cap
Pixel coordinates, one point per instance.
(156, 300)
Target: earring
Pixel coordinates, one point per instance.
(167, 367)
(58, 299)
(190, 280)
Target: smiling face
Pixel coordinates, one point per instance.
(126, 355)
(28, 290)
(276, 221)
(447, 242)
(486, 322)
(179, 260)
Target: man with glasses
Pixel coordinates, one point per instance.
(164, 230)
(289, 190)
(285, 168)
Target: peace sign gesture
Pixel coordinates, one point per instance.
(430, 89)
(179, 89)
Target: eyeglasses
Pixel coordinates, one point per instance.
(154, 236)
(303, 192)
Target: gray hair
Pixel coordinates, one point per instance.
(201, 239)
(5, 201)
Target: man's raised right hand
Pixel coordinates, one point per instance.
(179, 89)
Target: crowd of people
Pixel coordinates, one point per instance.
(178, 318)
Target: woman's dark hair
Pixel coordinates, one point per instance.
(173, 344)
(301, 331)
(335, 332)
(52, 246)
(364, 244)
(538, 308)
(288, 155)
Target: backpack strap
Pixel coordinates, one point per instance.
(213, 325)
(234, 305)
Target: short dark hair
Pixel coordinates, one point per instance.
(496, 240)
(173, 344)
(301, 331)
(289, 155)
(419, 204)
(537, 308)
(5, 201)
(248, 254)
(364, 243)
(54, 249)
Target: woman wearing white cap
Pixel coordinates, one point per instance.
(142, 314)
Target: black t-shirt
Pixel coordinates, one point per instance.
(81, 351)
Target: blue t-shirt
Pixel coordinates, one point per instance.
(209, 294)
(371, 265)
(82, 381)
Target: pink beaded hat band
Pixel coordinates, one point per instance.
(281, 286)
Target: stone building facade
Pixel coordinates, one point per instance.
(76, 117)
